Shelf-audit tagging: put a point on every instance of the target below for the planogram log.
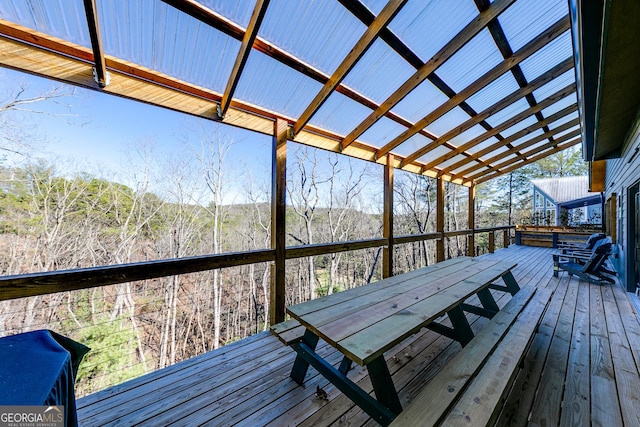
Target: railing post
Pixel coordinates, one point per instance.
(471, 239)
(387, 220)
(505, 237)
(440, 219)
(278, 211)
(492, 241)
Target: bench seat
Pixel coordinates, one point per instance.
(471, 388)
(288, 331)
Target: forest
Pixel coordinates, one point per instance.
(52, 218)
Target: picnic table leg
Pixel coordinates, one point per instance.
(378, 410)
(487, 300)
(345, 365)
(489, 307)
(383, 384)
(300, 366)
(461, 327)
(510, 282)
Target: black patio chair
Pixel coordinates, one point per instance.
(586, 247)
(581, 257)
(590, 268)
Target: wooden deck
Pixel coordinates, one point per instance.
(581, 369)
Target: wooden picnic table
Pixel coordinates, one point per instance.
(364, 322)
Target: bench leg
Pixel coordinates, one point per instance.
(383, 384)
(300, 366)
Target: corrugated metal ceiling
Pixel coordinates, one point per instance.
(192, 46)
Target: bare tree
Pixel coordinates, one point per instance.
(303, 190)
(17, 137)
(340, 211)
(183, 221)
(260, 236)
(212, 151)
(416, 198)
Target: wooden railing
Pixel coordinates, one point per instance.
(25, 285)
(549, 236)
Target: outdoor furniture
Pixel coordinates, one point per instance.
(469, 390)
(39, 369)
(588, 267)
(364, 322)
(587, 246)
(582, 256)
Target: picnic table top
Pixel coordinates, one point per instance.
(365, 322)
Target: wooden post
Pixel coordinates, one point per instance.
(505, 237)
(440, 219)
(387, 218)
(471, 241)
(278, 210)
(492, 241)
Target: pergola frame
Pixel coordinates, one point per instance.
(35, 52)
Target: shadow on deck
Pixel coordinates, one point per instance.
(581, 369)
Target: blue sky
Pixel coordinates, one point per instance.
(99, 134)
(95, 132)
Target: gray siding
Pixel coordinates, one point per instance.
(622, 174)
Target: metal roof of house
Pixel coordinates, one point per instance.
(463, 89)
(565, 189)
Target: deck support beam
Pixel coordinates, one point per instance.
(471, 240)
(387, 218)
(100, 69)
(278, 210)
(440, 219)
(492, 241)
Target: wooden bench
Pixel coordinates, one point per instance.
(365, 322)
(471, 388)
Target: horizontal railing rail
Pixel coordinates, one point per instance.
(42, 283)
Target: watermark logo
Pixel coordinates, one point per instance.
(31, 416)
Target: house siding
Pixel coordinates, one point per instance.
(622, 174)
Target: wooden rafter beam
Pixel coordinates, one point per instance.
(525, 155)
(362, 45)
(500, 38)
(556, 71)
(491, 163)
(220, 23)
(527, 160)
(526, 51)
(37, 53)
(91, 12)
(514, 137)
(360, 11)
(453, 46)
(248, 38)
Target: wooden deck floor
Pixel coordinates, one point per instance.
(581, 369)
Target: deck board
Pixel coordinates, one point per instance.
(582, 363)
(605, 405)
